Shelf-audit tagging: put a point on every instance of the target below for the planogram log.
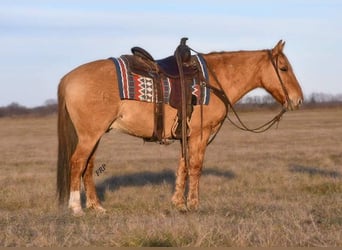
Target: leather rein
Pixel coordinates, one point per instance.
(219, 92)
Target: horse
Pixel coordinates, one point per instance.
(89, 105)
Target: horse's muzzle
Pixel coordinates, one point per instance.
(294, 104)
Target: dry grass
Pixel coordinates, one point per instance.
(280, 188)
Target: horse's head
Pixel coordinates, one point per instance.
(279, 79)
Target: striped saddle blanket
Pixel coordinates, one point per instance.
(133, 86)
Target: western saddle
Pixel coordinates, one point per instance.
(182, 68)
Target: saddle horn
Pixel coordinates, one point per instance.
(183, 50)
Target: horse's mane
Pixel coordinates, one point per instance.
(236, 52)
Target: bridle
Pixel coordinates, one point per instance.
(276, 68)
(219, 92)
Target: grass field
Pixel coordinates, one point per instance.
(279, 188)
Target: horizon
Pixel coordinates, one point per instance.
(318, 97)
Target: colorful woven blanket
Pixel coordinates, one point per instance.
(138, 87)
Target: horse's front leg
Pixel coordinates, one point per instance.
(178, 198)
(197, 147)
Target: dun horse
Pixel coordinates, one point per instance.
(89, 105)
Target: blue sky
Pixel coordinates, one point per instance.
(42, 40)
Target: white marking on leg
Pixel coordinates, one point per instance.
(75, 200)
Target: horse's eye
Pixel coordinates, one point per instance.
(283, 68)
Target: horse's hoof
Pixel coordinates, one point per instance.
(97, 208)
(78, 212)
(181, 207)
(193, 206)
(100, 210)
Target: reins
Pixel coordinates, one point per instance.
(219, 92)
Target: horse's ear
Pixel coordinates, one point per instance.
(278, 48)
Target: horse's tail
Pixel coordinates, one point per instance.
(67, 141)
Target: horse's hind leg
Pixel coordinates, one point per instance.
(79, 161)
(89, 185)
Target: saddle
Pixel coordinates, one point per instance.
(167, 66)
(182, 68)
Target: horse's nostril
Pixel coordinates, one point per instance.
(300, 101)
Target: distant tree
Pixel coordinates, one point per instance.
(268, 99)
(13, 109)
(49, 102)
(323, 100)
(14, 105)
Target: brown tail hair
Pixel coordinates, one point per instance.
(67, 141)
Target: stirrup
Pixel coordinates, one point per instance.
(177, 125)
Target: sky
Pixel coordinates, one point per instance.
(42, 40)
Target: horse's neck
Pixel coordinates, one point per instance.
(237, 72)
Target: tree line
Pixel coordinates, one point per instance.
(314, 100)
(15, 109)
(248, 103)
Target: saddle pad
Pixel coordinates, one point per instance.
(140, 88)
